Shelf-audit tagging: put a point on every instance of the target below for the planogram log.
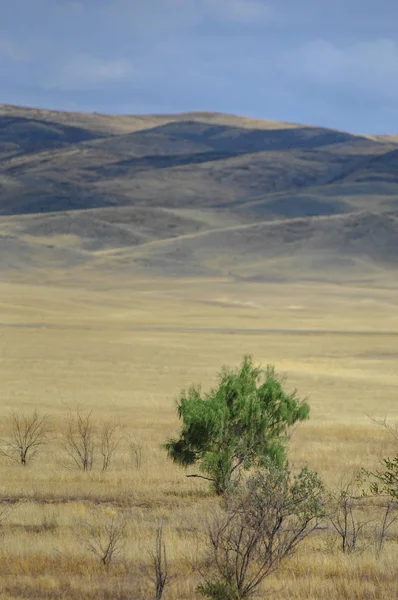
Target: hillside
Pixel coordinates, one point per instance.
(194, 194)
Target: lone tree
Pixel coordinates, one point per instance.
(241, 423)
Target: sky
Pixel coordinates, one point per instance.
(330, 63)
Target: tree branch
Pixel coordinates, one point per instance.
(201, 477)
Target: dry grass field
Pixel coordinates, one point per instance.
(124, 350)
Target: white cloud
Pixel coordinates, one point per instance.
(364, 66)
(83, 71)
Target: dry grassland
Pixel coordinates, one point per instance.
(85, 352)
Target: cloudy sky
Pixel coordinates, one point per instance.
(332, 63)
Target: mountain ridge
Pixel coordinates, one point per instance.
(77, 188)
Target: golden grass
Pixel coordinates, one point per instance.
(89, 355)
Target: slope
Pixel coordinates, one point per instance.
(353, 245)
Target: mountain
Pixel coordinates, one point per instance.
(194, 194)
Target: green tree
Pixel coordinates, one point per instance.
(244, 421)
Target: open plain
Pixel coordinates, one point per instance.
(124, 352)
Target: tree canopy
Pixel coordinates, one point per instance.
(242, 422)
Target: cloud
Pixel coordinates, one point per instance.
(368, 66)
(252, 56)
(84, 71)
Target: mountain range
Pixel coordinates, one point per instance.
(194, 194)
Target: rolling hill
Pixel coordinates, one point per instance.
(195, 194)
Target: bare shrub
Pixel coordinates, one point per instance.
(49, 521)
(136, 454)
(28, 434)
(263, 522)
(389, 517)
(108, 442)
(159, 562)
(5, 510)
(346, 512)
(79, 441)
(105, 538)
(390, 427)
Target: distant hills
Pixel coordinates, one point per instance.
(195, 194)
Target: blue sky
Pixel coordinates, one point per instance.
(332, 63)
